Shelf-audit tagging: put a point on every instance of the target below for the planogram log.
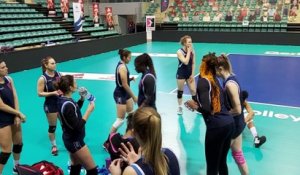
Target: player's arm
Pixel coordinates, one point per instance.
(249, 110)
(40, 89)
(233, 93)
(149, 89)
(123, 75)
(185, 60)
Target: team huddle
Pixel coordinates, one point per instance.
(217, 95)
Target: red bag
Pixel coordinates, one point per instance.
(47, 168)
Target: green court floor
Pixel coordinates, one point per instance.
(183, 134)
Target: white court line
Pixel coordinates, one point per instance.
(93, 76)
(252, 102)
(269, 54)
(173, 91)
(167, 55)
(270, 104)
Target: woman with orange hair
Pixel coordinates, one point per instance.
(219, 123)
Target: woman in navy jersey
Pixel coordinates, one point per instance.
(147, 86)
(10, 119)
(46, 89)
(219, 123)
(234, 98)
(151, 158)
(73, 126)
(185, 71)
(123, 95)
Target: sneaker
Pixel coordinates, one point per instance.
(179, 112)
(258, 141)
(15, 171)
(54, 151)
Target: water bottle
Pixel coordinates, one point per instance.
(86, 94)
(103, 170)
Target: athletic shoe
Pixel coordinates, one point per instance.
(15, 171)
(179, 112)
(258, 141)
(54, 151)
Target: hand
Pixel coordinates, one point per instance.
(191, 79)
(135, 99)
(22, 117)
(17, 121)
(115, 167)
(191, 105)
(132, 78)
(128, 154)
(91, 106)
(189, 48)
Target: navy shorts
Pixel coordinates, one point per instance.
(50, 108)
(240, 124)
(121, 98)
(183, 76)
(74, 145)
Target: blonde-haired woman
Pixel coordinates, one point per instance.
(152, 158)
(185, 71)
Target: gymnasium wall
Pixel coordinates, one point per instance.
(31, 58)
(276, 38)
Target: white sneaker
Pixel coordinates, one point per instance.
(179, 112)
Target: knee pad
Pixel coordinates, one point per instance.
(249, 121)
(93, 171)
(17, 148)
(118, 123)
(4, 157)
(179, 94)
(238, 157)
(51, 129)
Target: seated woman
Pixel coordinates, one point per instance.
(151, 158)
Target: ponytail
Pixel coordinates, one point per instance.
(64, 83)
(150, 65)
(143, 62)
(208, 71)
(147, 129)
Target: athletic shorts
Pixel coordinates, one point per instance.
(183, 76)
(121, 98)
(240, 124)
(74, 145)
(50, 108)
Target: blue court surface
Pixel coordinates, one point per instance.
(270, 79)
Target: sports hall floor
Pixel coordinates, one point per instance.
(268, 72)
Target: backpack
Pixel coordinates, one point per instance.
(115, 140)
(40, 168)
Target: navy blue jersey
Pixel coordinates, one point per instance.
(142, 168)
(7, 96)
(239, 119)
(147, 90)
(119, 90)
(49, 86)
(185, 71)
(216, 120)
(70, 116)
